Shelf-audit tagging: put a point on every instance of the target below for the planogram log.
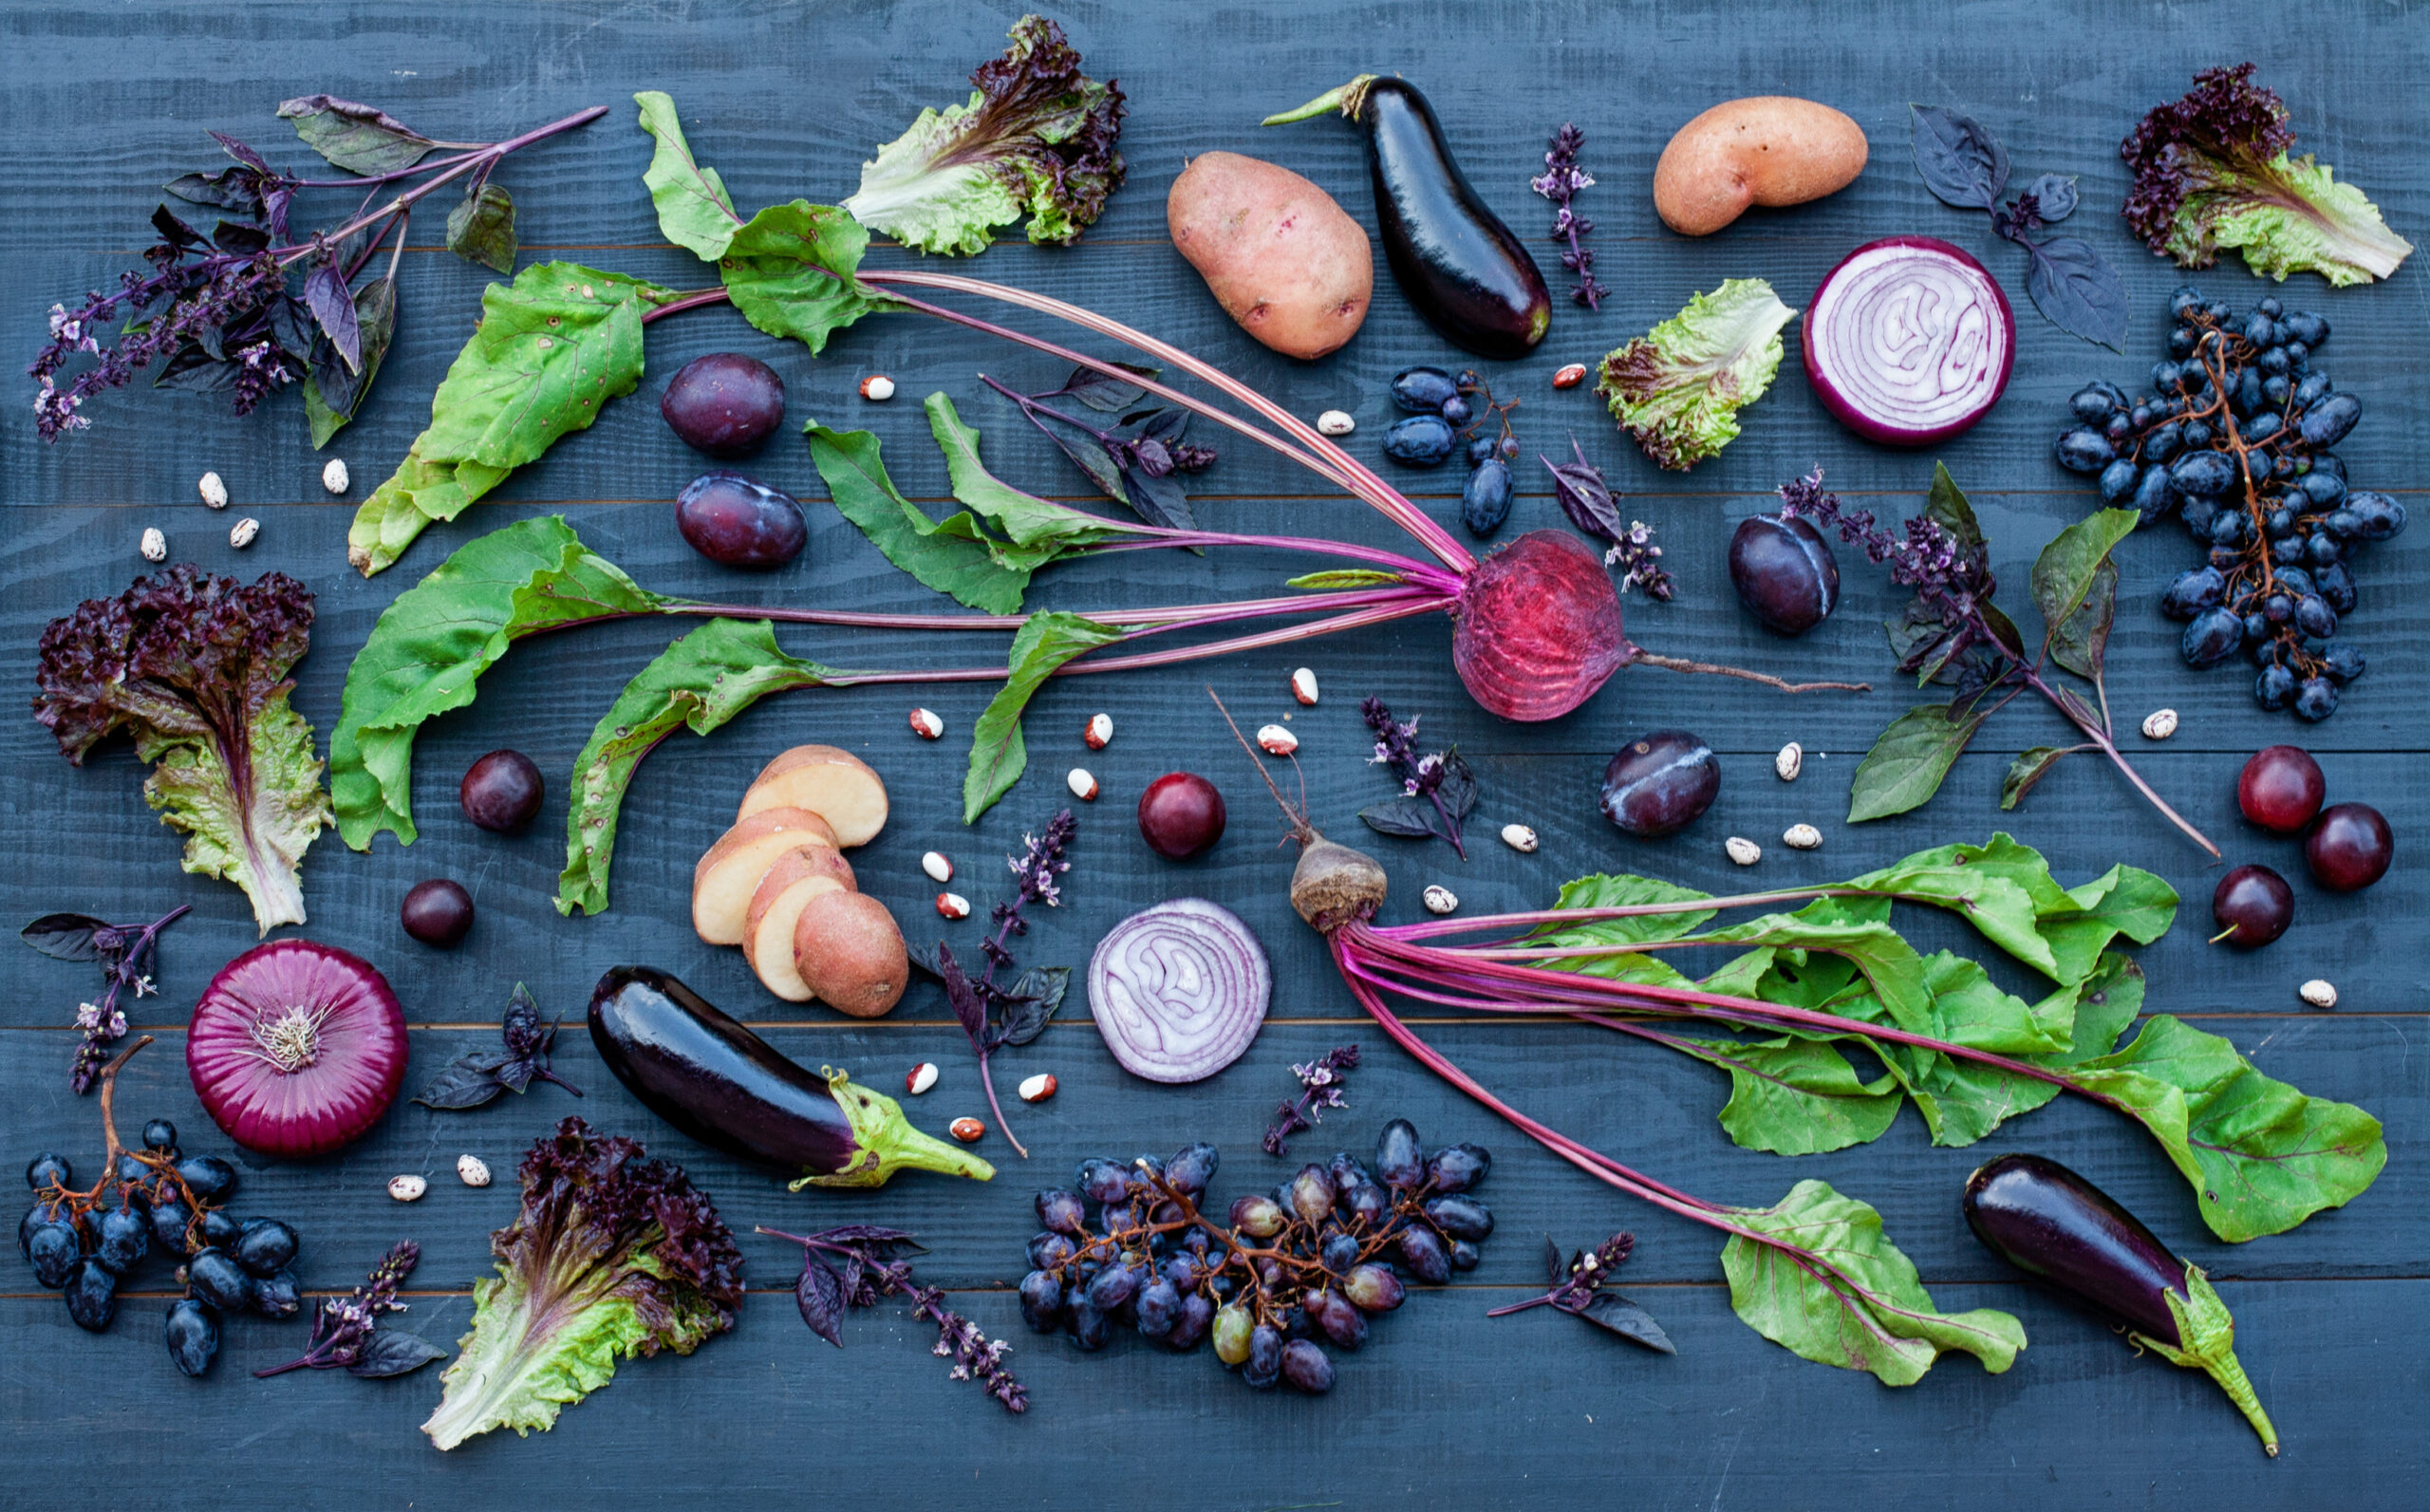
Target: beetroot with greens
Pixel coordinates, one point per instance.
(2048, 1221)
(196, 668)
(612, 1255)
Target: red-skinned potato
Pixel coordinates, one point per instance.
(1766, 150)
(1277, 252)
(849, 953)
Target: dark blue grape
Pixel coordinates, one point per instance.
(1372, 1288)
(2275, 688)
(2231, 528)
(265, 1246)
(192, 1334)
(2286, 550)
(1400, 1160)
(1305, 1367)
(1191, 1168)
(1047, 1251)
(1158, 1306)
(1369, 1202)
(2316, 699)
(2162, 442)
(2193, 591)
(2296, 581)
(2297, 355)
(2084, 451)
(2198, 516)
(2246, 400)
(1457, 410)
(46, 1170)
(2278, 522)
(2218, 311)
(1427, 1259)
(2140, 416)
(126, 1236)
(2202, 475)
(2315, 617)
(2210, 638)
(2185, 300)
(2269, 306)
(275, 1296)
(2377, 515)
(1265, 1365)
(1457, 1167)
(220, 1229)
(2261, 427)
(1091, 1328)
(55, 1253)
(2223, 557)
(2117, 481)
(2180, 341)
(1102, 1180)
(2308, 328)
(211, 1179)
(1421, 441)
(2118, 429)
(2326, 423)
(2323, 491)
(2259, 329)
(1422, 390)
(2165, 376)
(1061, 1212)
(2092, 404)
(1460, 1217)
(1482, 447)
(159, 1135)
(2342, 662)
(130, 1168)
(1339, 1253)
(215, 1276)
(1191, 1322)
(2331, 463)
(2274, 365)
(2314, 388)
(92, 1296)
(2198, 434)
(1465, 1255)
(1485, 503)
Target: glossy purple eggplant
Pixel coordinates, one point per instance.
(2050, 1223)
(1466, 271)
(716, 1081)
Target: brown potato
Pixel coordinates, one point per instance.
(798, 876)
(849, 952)
(1764, 150)
(836, 785)
(1277, 252)
(727, 874)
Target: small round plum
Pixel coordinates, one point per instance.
(438, 912)
(736, 521)
(1784, 571)
(2281, 788)
(2350, 848)
(1660, 783)
(2253, 905)
(501, 792)
(1181, 815)
(725, 403)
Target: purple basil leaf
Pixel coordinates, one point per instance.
(240, 237)
(1586, 498)
(821, 1296)
(192, 371)
(1960, 161)
(866, 1234)
(1161, 500)
(62, 936)
(1037, 995)
(332, 306)
(286, 321)
(356, 137)
(1165, 425)
(1627, 1319)
(517, 1075)
(522, 1027)
(1458, 790)
(857, 1291)
(243, 153)
(1100, 392)
(1087, 453)
(1412, 818)
(2077, 290)
(471, 1080)
(1551, 1261)
(389, 1353)
(967, 1006)
(482, 227)
(2053, 196)
(275, 203)
(174, 231)
(235, 189)
(925, 957)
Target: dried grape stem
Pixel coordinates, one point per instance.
(1679, 664)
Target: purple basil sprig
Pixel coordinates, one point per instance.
(994, 1016)
(871, 1269)
(1577, 1290)
(1320, 1089)
(1138, 462)
(1438, 790)
(1594, 506)
(348, 1335)
(125, 954)
(1560, 182)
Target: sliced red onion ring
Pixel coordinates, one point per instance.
(296, 1048)
(1178, 990)
(1909, 341)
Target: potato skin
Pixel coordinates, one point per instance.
(849, 952)
(1762, 150)
(1277, 254)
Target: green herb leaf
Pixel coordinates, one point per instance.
(2261, 1156)
(694, 209)
(2029, 767)
(955, 557)
(1026, 520)
(2002, 888)
(354, 137)
(431, 646)
(336, 391)
(698, 683)
(998, 753)
(1345, 577)
(1908, 761)
(1945, 506)
(482, 227)
(1835, 1289)
(1963, 1100)
(790, 269)
(2067, 577)
(1793, 1097)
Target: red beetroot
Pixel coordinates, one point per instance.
(1538, 627)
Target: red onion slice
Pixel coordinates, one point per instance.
(1909, 341)
(1178, 990)
(296, 1048)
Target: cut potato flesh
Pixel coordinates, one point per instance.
(827, 781)
(768, 935)
(848, 951)
(730, 872)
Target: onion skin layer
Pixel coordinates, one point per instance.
(359, 1049)
(1537, 628)
(1159, 994)
(1828, 388)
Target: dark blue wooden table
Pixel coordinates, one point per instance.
(103, 103)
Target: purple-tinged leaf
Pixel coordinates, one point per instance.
(1586, 498)
(2053, 196)
(1627, 1319)
(337, 391)
(1035, 997)
(243, 153)
(237, 189)
(192, 371)
(968, 1005)
(174, 231)
(1410, 818)
(471, 1080)
(866, 1234)
(332, 306)
(1161, 499)
(64, 936)
(239, 238)
(1101, 391)
(1960, 161)
(389, 1353)
(820, 1294)
(481, 227)
(1458, 793)
(355, 136)
(1553, 1268)
(2077, 290)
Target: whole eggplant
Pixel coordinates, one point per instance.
(1463, 270)
(726, 1087)
(2047, 1220)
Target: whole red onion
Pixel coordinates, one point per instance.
(297, 1048)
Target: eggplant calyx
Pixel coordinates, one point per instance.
(1349, 99)
(887, 1142)
(2207, 1336)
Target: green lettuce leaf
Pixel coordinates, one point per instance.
(998, 753)
(1036, 138)
(433, 642)
(1832, 1288)
(698, 683)
(1678, 388)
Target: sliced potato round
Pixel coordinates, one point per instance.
(849, 952)
(777, 903)
(723, 881)
(827, 781)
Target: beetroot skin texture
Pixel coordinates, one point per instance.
(1538, 627)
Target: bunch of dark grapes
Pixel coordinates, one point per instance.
(2238, 440)
(1310, 1261)
(86, 1243)
(1445, 410)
